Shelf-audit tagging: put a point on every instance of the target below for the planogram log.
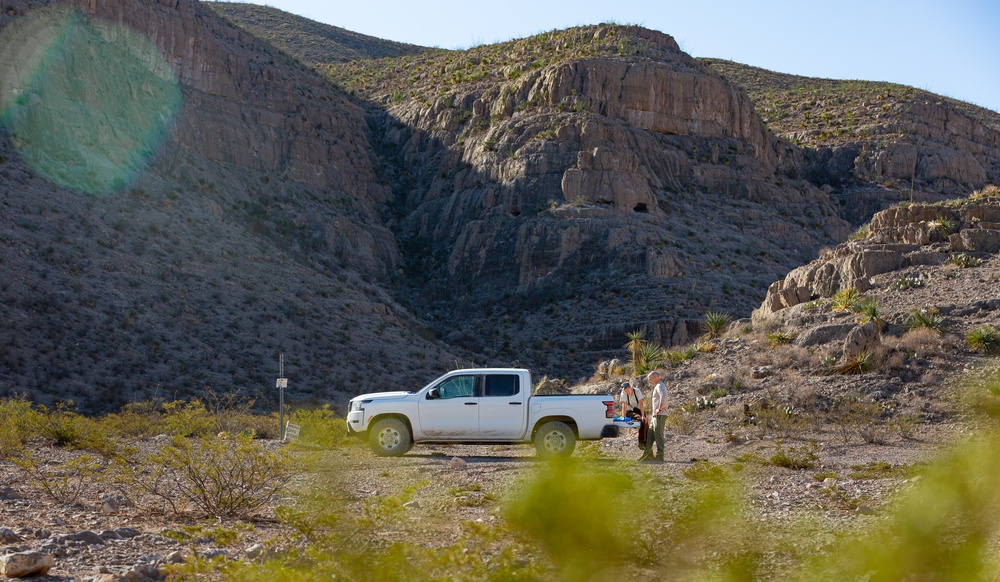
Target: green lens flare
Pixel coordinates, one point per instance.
(86, 102)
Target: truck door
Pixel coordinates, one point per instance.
(454, 413)
(502, 413)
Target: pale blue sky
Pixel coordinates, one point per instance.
(949, 47)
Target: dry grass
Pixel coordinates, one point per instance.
(922, 342)
(786, 356)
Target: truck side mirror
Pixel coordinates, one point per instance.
(432, 394)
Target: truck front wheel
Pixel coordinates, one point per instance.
(390, 437)
(555, 439)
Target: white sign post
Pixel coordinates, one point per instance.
(281, 384)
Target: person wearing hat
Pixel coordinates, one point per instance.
(634, 407)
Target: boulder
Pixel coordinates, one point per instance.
(823, 334)
(87, 537)
(22, 564)
(863, 338)
(8, 536)
(551, 386)
(978, 240)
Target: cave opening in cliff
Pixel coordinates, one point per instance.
(641, 207)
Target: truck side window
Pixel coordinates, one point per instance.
(457, 387)
(501, 385)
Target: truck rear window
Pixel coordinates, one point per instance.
(501, 385)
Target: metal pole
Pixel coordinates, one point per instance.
(281, 399)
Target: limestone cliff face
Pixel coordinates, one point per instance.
(248, 105)
(647, 175)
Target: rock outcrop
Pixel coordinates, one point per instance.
(898, 237)
(642, 172)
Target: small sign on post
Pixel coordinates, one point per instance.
(291, 432)
(281, 383)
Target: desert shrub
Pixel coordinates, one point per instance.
(921, 341)
(803, 457)
(233, 413)
(780, 338)
(320, 428)
(715, 323)
(844, 300)
(964, 260)
(984, 339)
(987, 191)
(706, 471)
(928, 318)
(62, 482)
(768, 418)
(682, 421)
(905, 425)
(19, 423)
(854, 416)
(566, 494)
(784, 356)
(861, 233)
(651, 357)
(677, 356)
(188, 419)
(225, 477)
(221, 476)
(842, 499)
(63, 427)
(135, 420)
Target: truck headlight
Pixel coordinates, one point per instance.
(356, 405)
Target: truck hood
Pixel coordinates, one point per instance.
(382, 396)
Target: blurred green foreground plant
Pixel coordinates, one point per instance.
(574, 520)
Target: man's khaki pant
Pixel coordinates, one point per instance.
(655, 434)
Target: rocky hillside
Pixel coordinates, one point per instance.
(309, 41)
(521, 203)
(254, 229)
(548, 200)
(875, 143)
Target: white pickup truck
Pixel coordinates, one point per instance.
(489, 405)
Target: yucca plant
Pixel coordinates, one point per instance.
(984, 339)
(860, 363)
(946, 224)
(869, 310)
(634, 345)
(844, 299)
(651, 356)
(716, 323)
(929, 318)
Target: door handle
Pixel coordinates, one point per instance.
(470, 403)
(514, 403)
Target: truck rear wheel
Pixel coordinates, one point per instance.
(390, 437)
(555, 439)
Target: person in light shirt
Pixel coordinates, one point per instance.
(634, 407)
(655, 434)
